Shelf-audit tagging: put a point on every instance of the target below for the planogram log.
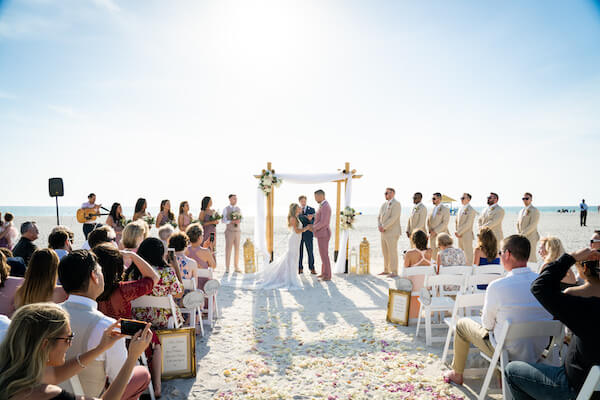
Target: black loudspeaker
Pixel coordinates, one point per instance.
(55, 185)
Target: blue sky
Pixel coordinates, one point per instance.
(189, 98)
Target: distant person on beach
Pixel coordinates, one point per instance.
(185, 216)
(306, 217)
(8, 233)
(583, 209)
(232, 234)
(527, 224)
(165, 216)
(507, 298)
(418, 215)
(116, 220)
(492, 217)
(464, 227)
(25, 246)
(90, 204)
(389, 226)
(140, 209)
(438, 221)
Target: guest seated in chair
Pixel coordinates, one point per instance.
(83, 280)
(486, 252)
(418, 256)
(448, 256)
(60, 242)
(32, 355)
(574, 308)
(550, 249)
(507, 298)
(202, 253)
(152, 251)
(39, 285)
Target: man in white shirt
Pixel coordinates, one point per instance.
(506, 298)
(82, 279)
(90, 204)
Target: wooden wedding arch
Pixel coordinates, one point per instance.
(270, 204)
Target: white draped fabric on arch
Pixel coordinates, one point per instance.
(260, 221)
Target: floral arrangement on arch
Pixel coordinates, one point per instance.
(267, 181)
(347, 217)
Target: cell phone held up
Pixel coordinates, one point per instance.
(130, 327)
(212, 237)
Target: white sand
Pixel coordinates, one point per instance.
(329, 340)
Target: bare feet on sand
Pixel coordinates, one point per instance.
(453, 377)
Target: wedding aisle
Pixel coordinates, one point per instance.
(328, 341)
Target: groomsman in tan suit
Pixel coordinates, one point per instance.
(389, 226)
(492, 217)
(527, 224)
(437, 222)
(418, 216)
(464, 227)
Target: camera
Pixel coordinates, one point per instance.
(592, 265)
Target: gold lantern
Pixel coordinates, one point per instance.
(353, 261)
(249, 260)
(364, 267)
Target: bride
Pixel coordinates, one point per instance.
(283, 273)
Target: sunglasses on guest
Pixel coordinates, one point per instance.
(526, 198)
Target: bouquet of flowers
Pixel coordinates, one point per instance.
(149, 220)
(124, 221)
(173, 224)
(216, 216)
(347, 218)
(267, 181)
(235, 217)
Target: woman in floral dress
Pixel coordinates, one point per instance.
(152, 250)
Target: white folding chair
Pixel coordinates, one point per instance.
(211, 289)
(144, 362)
(436, 303)
(489, 269)
(159, 302)
(461, 303)
(456, 270)
(76, 386)
(193, 303)
(591, 384)
(516, 331)
(471, 283)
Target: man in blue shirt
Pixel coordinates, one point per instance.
(583, 213)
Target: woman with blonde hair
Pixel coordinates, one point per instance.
(39, 285)
(32, 355)
(550, 249)
(486, 252)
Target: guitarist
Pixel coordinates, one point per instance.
(91, 203)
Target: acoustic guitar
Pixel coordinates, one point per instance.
(88, 214)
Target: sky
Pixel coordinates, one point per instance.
(179, 100)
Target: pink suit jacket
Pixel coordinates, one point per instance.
(321, 227)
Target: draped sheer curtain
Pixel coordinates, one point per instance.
(260, 222)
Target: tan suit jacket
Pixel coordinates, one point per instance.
(464, 228)
(527, 225)
(389, 219)
(492, 218)
(439, 224)
(417, 219)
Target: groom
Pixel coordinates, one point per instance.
(323, 233)
(306, 217)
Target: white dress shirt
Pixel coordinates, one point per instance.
(524, 210)
(435, 210)
(510, 298)
(416, 207)
(113, 358)
(4, 324)
(226, 211)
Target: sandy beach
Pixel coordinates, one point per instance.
(329, 340)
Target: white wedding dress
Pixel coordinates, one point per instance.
(280, 274)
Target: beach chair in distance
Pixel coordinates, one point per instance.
(193, 303)
(436, 303)
(515, 331)
(462, 302)
(591, 384)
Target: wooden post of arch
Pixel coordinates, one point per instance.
(270, 225)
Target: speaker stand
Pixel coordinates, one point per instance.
(57, 220)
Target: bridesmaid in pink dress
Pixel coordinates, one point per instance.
(185, 216)
(208, 225)
(165, 215)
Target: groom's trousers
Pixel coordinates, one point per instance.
(323, 243)
(307, 240)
